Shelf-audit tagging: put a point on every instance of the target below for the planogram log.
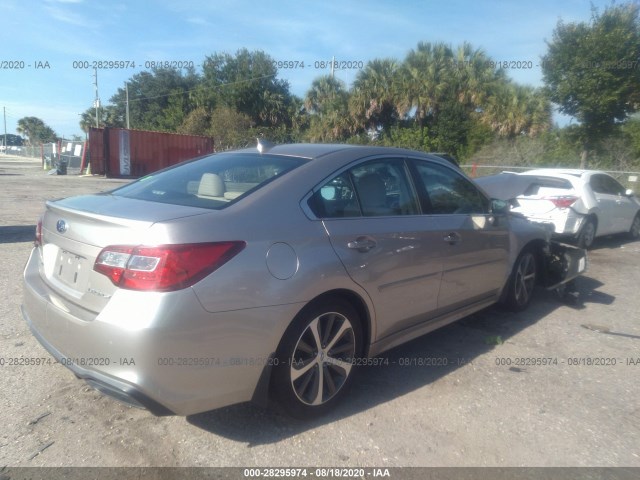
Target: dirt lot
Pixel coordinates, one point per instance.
(486, 407)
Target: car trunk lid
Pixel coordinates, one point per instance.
(75, 230)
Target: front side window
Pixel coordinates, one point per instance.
(612, 186)
(211, 182)
(444, 191)
(606, 185)
(597, 184)
(370, 189)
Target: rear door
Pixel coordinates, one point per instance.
(612, 203)
(624, 208)
(372, 215)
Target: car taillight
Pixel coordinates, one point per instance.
(163, 268)
(562, 202)
(37, 241)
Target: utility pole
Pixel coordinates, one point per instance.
(96, 102)
(126, 89)
(4, 114)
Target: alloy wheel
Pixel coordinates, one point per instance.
(525, 279)
(322, 358)
(588, 234)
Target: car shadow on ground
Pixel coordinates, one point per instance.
(611, 242)
(454, 345)
(17, 233)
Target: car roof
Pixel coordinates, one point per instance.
(302, 150)
(569, 172)
(314, 151)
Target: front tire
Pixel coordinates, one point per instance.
(522, 281)
(316, 358)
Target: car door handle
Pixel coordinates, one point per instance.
(362, 244)
(452, 238)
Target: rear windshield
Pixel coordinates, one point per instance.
(547, 185)
(210, 182)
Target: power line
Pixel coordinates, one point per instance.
(214, 87)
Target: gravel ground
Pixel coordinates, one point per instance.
(486, 407)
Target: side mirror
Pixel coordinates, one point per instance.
(499, 207)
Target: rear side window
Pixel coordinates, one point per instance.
(377, 188)
(211, 182)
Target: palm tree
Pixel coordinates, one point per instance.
(513, 110)
(326, 94)
(327, 101)
(476, 75)
(35, 130)
(428, 72)
(374, 99)
(107, 117)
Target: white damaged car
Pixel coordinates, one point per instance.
(579, 204)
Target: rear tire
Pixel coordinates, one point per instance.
(634, 231)
(522, 281)
(315, 365)
(587, 234)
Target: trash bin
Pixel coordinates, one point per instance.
(62, 166)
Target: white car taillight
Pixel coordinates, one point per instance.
(163, 268)
(563, 201)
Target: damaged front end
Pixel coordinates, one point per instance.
(562, 263)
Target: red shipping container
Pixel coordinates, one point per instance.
(118, 152)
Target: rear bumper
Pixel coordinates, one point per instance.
(122, 391)
(566, 222)
(160, 351)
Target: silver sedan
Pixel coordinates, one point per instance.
(271, 274)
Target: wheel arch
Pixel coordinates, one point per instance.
(592, 215)
(262, 393)
(353, 299)
(538, 246)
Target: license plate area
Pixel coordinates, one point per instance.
(70, 268)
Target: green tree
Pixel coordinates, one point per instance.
(374, 100)
(197, 122)
(427, 73)
(327, 102)
(591, 71)
(158, 100)
(246, 82)
(36, 131)
(511, 110)
(12, 140)
(106, 118)
(326, 94)
(230, 129)
(631, 130)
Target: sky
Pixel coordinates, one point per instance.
(45, 43)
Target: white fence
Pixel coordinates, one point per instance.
(64, 152)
